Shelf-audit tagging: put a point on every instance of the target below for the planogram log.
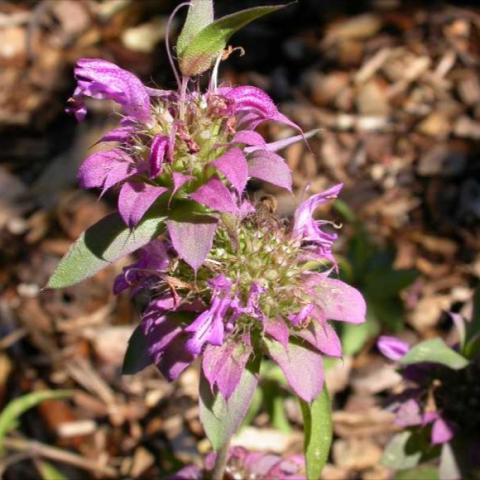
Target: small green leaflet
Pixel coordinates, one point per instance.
(18, 406)
(221, 418)
(206, 45)
(100, 245)
(435, 351)
(200, 14)
(48, 472)
(318, 432)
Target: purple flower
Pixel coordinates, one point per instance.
(104, 80)
(244, 464)
(309, 230)
(255, 281)
(411, 408)
(207, 156)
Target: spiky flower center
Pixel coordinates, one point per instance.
(259, 255)
(200, 135)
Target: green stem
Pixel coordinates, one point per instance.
(183, 97)
(221, 462)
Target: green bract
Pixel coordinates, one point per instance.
(206, 45)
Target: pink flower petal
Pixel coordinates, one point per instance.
(192, 239)
(249, 137)
(215, 195)
(442, 432)
(336, 299)
(223, 366)
(271, 168)
(392, 347)
(302, 367)
(323, 337)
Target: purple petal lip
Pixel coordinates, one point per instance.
(392, 347)
(158, 151)
(106, 169)
(97, 78)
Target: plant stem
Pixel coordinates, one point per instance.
(221, 462)
(183, 97)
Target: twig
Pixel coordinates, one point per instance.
(58, 455)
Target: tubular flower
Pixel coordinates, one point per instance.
(256, 293)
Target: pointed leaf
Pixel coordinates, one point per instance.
(136, 357)
(99, 246)
(135, 199)
(17, 407)
(434, 351)
(298, 357)
(233, 165)
(271, 168)
(192, 238)
(205, 46)
(221, 418)
(200, 14)
(215, 195)
(318, 431)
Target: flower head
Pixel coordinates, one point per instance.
(437, 397)
(255, 293)
(242, 463)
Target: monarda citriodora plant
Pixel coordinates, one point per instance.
(227, 281)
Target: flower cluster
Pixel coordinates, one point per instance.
(441, 399)
(226, 281)
(243, 464)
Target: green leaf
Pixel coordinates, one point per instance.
(435, 351)
(99, 246)
(200, 14)
(424, 472)
(17, 407)
(318, 433)
(345, 211)
(48, 472)
(392, 282)
(136, 357)
(402, 452)
(206, 45)
(473, 326)
(354, 337)
(221, 418)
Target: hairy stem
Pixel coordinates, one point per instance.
(221, 462)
